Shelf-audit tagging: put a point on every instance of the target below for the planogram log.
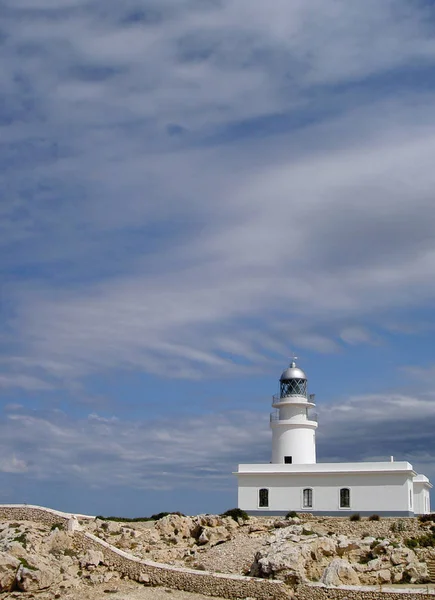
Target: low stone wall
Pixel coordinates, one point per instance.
(189, 580)
(344, 526)
(319, 592)
(40, 514)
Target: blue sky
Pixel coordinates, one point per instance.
(191, 192)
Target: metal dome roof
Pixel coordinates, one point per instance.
(293, 372)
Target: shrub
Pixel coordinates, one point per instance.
(160, 515)
(426, 518)
(355, 517)
(56, 526)
(411, 542)
(236, 514)
(374, 518)
(21, 539)
(292, 515)
(26, 565)
(139, 519)
(367, 557)
(397, 526)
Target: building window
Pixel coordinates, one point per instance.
(288, 460)
(345, 498)
(263, 498)
(307, 498)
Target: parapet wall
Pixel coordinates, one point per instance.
(40, 514)
(404, 527)
(189, 580)
(315, 592)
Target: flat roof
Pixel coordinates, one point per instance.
(321, 468)
(423, 480)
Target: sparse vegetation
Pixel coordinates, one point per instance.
(236, 514)
(374, 518)
(426, 518)
(366, 558)
(423, 541)
(398, 526)
(355, 517)
(155, 517)
(21, 539)
(26, 565)
(59, 526)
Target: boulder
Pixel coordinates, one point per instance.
(287, 564)
(59, 541)
(401, 556)
(9, 566)
(92, 558)
(417, 572)
(340, 572)
(203, 538)
(36, 576)
(175, 526)
(384, 576)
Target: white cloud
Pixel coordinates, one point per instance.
(12, 464)
(201, 452)
(168, 256)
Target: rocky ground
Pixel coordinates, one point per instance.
(299, 550)
(38, 559)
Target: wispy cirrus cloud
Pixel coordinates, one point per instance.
(182, 178)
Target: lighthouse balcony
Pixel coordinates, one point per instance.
(274, 418)
(278, 400)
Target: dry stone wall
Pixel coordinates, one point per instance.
(29, 512)
(189, 580)
(309, 592)
(405, 527)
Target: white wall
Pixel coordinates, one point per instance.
(298, 442)
(370, 492)
(421, 499)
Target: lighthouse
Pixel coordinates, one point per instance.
(293, 424)
(294, 481)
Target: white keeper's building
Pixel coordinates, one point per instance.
(294, 481)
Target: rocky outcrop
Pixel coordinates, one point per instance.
(9, 566)
(37, 575)
(299, 555)
(340, 572)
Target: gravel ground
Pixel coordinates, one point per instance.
(234, 556)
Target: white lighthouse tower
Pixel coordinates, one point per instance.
(293, 428)
(293, 481)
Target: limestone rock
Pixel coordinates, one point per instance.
(400, 556)
(340, 572)
(9, 566)
(60, 541)
(384, 576)
(92, 559)
(203, 539)
(417, 572)
(144, 578)
(175, 526)
(37, 577)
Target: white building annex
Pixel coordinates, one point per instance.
(293, 480)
